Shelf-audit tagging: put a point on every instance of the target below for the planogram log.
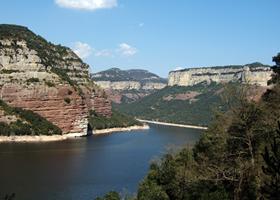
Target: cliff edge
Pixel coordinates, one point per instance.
(50, 80)
(254, 74)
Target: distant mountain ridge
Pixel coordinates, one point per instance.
(116, 74)
(125, 86)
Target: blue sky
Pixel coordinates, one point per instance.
(157, 35)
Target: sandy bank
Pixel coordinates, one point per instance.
(126, 129)
(171, 124)
(39, 138)
(52, 138)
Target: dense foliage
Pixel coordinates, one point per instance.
(116, 120)
(196, 110)
(237, 158)
(27, 123)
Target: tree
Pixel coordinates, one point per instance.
(276, 59)
(276, 69)
(150, 190)
(271, 156)
(110, 196)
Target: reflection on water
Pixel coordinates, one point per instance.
(86, 167)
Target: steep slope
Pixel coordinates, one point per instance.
(193, 105)
(185, 105)
(128, 85)
(50, 80)
(255, 73)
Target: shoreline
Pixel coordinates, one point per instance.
(124, 129)
(172, 124)
(53, 138)
(39, 138)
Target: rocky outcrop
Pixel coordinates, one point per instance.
(128, 85)
(134, 79)
(102, 105)
(119, 85)
(48, 79)
(255, 74)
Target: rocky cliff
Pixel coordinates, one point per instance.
(255, 74)
(49, 79)
(134, 79)
(128, 85)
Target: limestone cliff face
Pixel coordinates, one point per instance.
(48, 79)
(135, 79)
(119, 85)
(255, 74)
(128, 85)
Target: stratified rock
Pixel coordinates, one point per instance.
(48, 79)
(254, 74)
(128, 85)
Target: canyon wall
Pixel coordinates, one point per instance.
(252, 74)
(124, 86)
(48, 79)
(130, 85)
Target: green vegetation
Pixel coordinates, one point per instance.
(33, 80)
(67, 100)
(115, 121)
(50, 54)
(196, 110)
(8, 71)
(110, 196)
(238, 157)
(116, 74)
(27, 123)
(49, 83)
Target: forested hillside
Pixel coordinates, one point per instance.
(177, 104)
(194, 105)
(238, 157)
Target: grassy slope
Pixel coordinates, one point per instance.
(154, 107)
(117, 120)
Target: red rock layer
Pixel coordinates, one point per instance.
(50, 103)
(102, 105)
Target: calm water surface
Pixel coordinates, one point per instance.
(86, 167)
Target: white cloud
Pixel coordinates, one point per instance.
(126, 50)
(87, 4)
(103, 53)
(83, 50)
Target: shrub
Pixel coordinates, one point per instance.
(33, 80)
(50, 84)
(67, 100)
(116, 120)
(8, 71)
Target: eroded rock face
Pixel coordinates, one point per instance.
(258, 75)
(61, 91)
(123, 86)
(119, 85)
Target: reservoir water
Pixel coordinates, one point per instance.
(86, 167)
